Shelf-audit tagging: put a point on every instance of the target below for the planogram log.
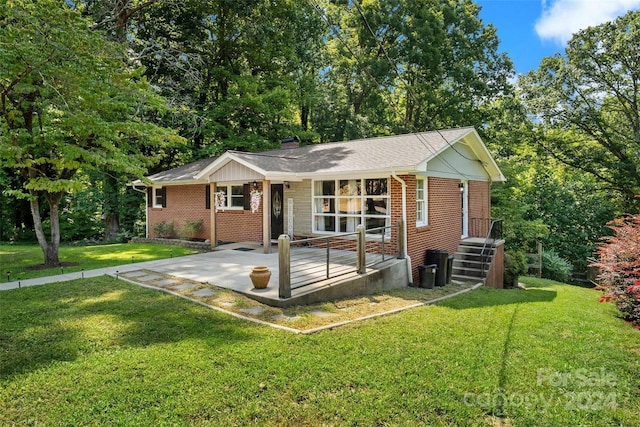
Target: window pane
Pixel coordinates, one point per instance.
(376, 205)
(351, 205)
(420, 212)
(375, 223)
(324, 223)
(237, 196)
(349, 187)
(348, 224)
(325, 205)
(325, 188)
(376, 187)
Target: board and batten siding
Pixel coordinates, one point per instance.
(234, 171)
(458, 163)
(300, 192)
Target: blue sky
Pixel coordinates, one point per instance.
(532, 29)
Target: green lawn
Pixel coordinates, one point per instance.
(16, 259)
(104, 352)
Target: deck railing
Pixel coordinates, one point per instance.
(494, 233)
(307, 261)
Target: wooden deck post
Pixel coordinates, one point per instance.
(401, 249)
(284, 266)
(361, 263)
(213, 236)
(266, 216)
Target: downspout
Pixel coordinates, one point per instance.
(146, 210)
(406, 226)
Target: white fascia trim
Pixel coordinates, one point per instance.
(486, 158)
(372, 173)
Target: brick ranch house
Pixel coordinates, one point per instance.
(438, 182)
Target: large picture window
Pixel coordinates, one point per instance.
(341, 205)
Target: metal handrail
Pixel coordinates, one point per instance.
(494, 233)
(343, 262)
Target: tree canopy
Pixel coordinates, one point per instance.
(88, 89)
(68, 103)
(586, 104)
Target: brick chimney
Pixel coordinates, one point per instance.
(290, 142)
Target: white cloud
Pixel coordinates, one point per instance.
(562, 18)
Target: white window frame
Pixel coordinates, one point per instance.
(154, 195)
(354, 199)
(422, 201)
(228, 189)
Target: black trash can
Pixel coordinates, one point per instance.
(440, 258)
(427, 275)
(449, 268)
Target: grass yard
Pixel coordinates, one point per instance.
(104, 352)
(17, 259)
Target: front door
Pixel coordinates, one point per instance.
(277, 211)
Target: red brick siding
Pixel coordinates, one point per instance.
(240, 225)
(184, 203)
(187, 202)
(444, 214)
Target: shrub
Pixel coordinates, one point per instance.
(555, 267)
(515, 265)
(619, 266)
(191, 229)
(165, 230)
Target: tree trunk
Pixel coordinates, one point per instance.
(304, 117)
(111, 208)
(49, 249)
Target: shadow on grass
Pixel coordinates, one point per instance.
(486, 297)
(62, 322)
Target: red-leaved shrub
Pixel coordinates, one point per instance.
(619, 265)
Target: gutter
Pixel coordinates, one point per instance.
(406, 227)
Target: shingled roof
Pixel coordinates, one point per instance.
(399, 153)
(182, 174)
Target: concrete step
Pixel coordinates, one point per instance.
(462, 278)
(471, 262)
(473, 249)
(462, 257)
(472, 272)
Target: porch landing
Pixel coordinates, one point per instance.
(228, 267)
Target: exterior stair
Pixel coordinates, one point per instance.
(467, 261)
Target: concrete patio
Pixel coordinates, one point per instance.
(229, 265)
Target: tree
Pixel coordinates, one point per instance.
(68, 103)
(543, 199)
(619, 265)
(409, 65)
(587, 104)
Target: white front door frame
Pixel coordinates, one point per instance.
(464, 202)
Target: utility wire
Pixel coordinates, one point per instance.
(397, 72)
(335, 31)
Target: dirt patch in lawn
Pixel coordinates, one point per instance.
(302, 318)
